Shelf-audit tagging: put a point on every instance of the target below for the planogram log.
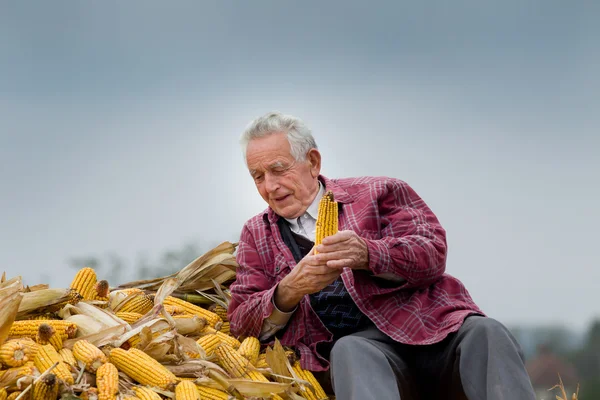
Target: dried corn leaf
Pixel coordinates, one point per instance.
(9, 306)
(196, 274)
(251, 388)
(43, 301)
(278, 361)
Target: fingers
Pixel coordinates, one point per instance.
(340, 236)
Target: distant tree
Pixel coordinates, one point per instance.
(112, 266)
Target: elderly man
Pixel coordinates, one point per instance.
(374, 306)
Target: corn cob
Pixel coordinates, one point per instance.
(140, 303)
(51, 316)
(3, 394)
(207, 393)
(317, 393)
(128, 397)
(225, 328)
(15, 353)
(327, 218)
(13, 395)
(250, 349)
(209, 343)
(129, 317)
(89, 354)
(233, 342)
(186, 390)
(107, 380)
(46, 388)
(66, 356)
(89, 394)
(175, 310)
(12, 375)
(47, 335)
(19, 329)
(210, 317)
(134, 341)
(236, 365)
(220, 311)
(261, 361)
(144, 393)
(101, 291)
(84, 282)
(142, 368)
(46, 357)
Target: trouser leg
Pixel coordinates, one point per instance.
(367, 365)
(486, 361)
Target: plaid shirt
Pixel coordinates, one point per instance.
(406, 293)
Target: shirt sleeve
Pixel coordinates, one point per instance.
(412, 247)
(251, 311)
(275, 322)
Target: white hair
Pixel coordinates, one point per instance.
(298, 134)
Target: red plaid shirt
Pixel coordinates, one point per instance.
(405, 240)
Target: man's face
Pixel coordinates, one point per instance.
(287, 185)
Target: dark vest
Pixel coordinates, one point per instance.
(333, 304)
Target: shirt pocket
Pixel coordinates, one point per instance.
(277, 269)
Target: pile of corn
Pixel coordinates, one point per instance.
(94, 343)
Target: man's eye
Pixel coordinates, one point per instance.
(258, 177)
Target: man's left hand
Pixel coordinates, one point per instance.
(345, 249)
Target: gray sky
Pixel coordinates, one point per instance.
(119, 124)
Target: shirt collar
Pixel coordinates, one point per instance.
(341, 196)
(313, 209)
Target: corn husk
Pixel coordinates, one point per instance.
(86, 325)
(10, 301)
(251, 388)
(278, 362)
(219, 264)
(43, 301)
(106, 318)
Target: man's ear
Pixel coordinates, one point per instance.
(314, 158)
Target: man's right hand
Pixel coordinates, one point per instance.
(308, 276)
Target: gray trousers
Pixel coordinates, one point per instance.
(480, 361)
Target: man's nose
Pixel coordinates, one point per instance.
(271, 183)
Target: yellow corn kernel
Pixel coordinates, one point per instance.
(3, 394)
(101, 292)
(137, 302)
(207, 393)
(46, 357)
(225, 328)
(129, 317)
(143, 368)
(20, 329)
(186, 390)
(220, 311)
(15, 353)
(236, 365)
(107, 380)
(66, 356)
(211, 318)
(230, 340)
(48, 335)
(209, 343)
(46, 388)
(13, 395)
(250, 349)
(175, 310)
(135, 340)
(144, 393)
(89, 354)
(84, 282)
(317, 392)
(327, 218)
(261, 361)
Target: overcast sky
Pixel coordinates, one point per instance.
(119, 126)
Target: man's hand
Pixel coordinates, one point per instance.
(308, 276)
(345, 249)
